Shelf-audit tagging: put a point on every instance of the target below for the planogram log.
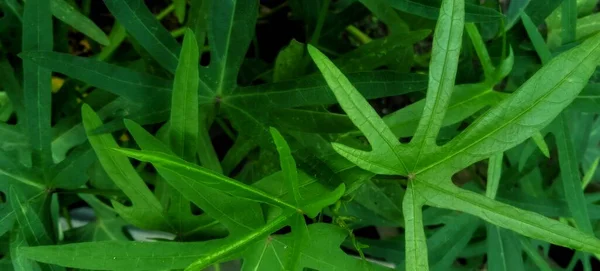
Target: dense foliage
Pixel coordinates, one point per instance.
(360, 135)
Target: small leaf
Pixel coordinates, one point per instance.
(493, 175)
(286, 63)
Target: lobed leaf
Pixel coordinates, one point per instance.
(383, 158)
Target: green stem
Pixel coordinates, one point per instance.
(165, 12)
(359, 35)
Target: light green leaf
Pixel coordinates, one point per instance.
(534, 105)
(19, 262)
(416, 242)
(183, 127)
(442, 73)
(120, 255)
(316, 255)
(538, 138)
(466, 100)
(523, 222)
(37, 36)
(146, 211)
(382, 158)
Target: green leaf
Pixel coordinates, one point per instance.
(146, 211)
(19, 262)
(535, 104)
(536, 38)
(121, 81)
(523, 222)
(240, 149)
(30, 223)
(494, 174)
(541, 144)
(322, 251)
(119, 255)
(378, 52)
(180, 6)
(183, 128)
(71, 172)
(71, 16)
(482, 53)
(228, 43)
(416, 242)
(309, 121)
(204, 176)
(504, 250)
(570, 178)
(540, 10)
(534, 254)
(569, 20)
(290, 177)
(37, 36)
(429, 9)
(106, 226)
(313, 90)
(382, 158)
(219, 205)
(442, 73)
(141, 25)
(466, 100)
(286, 63)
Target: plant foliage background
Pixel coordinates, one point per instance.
(299, 134)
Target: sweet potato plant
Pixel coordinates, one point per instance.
(299, 134)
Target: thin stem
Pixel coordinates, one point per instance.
(359, 35)
(165, 12)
